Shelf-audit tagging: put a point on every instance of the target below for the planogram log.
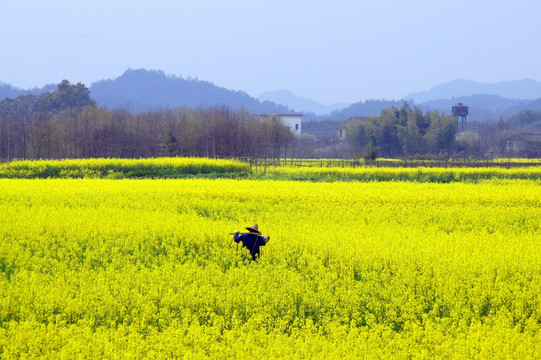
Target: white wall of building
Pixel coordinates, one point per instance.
(293, 121)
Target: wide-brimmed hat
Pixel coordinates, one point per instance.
(253, 228)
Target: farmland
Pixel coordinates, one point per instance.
(104, 268)
(181, 168)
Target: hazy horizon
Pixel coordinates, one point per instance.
(340, 52)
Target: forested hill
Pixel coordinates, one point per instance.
(8, 91)
(368, 107)
(518, 89)
(483, 108)
(144, 90)
(147, 90)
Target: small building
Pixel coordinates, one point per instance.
(341, 130)
(524, 144)
(292, 121)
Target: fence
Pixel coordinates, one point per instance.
(256, 163)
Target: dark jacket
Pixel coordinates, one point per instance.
(252, 242)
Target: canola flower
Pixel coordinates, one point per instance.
(121, 168)
(167, 168)
(103, 268)
(519, 160)
(417, 174)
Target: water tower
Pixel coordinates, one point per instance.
(461, 111)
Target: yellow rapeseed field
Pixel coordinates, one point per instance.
(120, 168)
(119, 269)
(419, 174)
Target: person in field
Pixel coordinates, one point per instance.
(251, 240)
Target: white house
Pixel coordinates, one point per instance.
(293, 121)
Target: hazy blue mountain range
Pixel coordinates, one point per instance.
(368, 107)
(298, 103)
(482, 108)
(9, 91)
(141, 90)
(518, 89)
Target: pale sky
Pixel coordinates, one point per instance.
(329, 51)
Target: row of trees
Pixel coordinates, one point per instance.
(22, 119)
(67, 124)
(402, 132)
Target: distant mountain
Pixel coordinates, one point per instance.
(534, 106)
(366, 108)
(518, 89)
(9, 91)
(482, 108)
(143, 90)
(299, 104)
(494, 102)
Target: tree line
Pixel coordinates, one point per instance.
(67, 123)
(406, 132)
(402, 132)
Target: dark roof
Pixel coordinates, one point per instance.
(529, 137)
